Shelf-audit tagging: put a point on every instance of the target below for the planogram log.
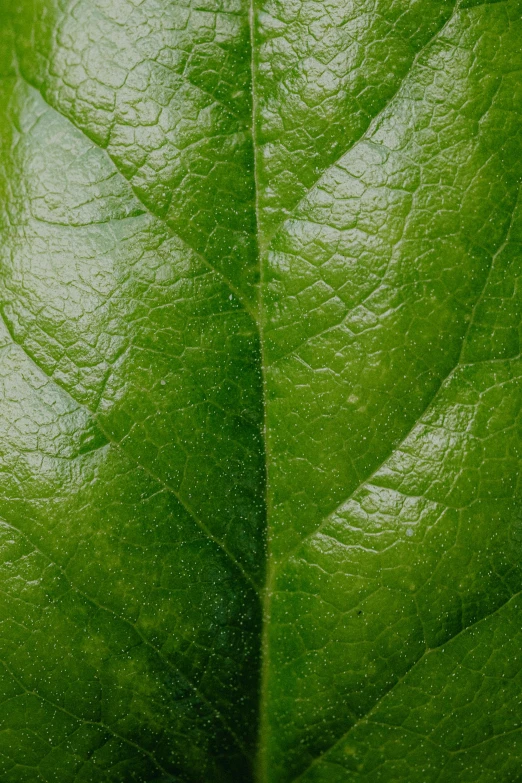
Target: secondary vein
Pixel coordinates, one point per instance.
(367, 716)
(233, 289)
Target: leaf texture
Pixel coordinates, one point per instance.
(260, 404)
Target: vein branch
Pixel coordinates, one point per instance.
(443, 382)
(371, 127)
(366, 718)
(93, 415)
(233, 289)
(156, 650)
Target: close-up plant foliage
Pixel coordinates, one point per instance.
(260, 399)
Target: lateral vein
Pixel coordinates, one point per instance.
(370, 127)
(94, 416)
(233, 289)
(367, 716)
(136, 630)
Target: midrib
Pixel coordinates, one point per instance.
(261, 772)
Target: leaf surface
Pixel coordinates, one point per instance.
(260, 391)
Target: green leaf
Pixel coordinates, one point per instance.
(260, 399)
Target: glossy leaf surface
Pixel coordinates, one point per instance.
(260, 420)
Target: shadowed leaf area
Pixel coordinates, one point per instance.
(260, 391)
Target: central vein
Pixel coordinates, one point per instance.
(261, 768)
